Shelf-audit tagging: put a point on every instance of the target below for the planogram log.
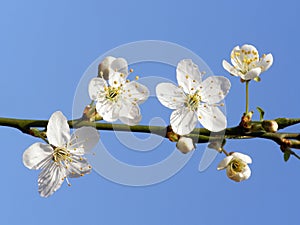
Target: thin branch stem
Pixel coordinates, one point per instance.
(247, 96)
(225, 152)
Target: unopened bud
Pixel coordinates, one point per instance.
(270, 125)
(185, 145)
(246, 121)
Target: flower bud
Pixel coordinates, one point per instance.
(270, 125)
(246, 120)
(185, 145)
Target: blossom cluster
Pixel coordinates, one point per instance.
(193, 99)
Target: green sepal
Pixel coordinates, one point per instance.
(257, 79)
(261, 113)
(286, 155)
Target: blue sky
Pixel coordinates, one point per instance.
(47, 45)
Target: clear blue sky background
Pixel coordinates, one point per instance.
(45, 46)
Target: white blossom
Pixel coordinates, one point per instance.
(236, 166)
(185, 145)
(246, 63)
(194, 100)
(118, 98)
(62, 157)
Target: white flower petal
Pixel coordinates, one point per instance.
(255, 72)
(170, 95)
(224, 163)
(247, 159)
(188, 75)
(249, 50)
(58, 131)
(78, 167)
(246, 173)
(104, 67)
(50, 179)
(119, 72)
(97, 86)
(230, 69)
(120, 65)
(183, 121)
(265, 62)
(211, 117)
(37, 155)
(109, 110)
(235, 57)
(130, 113)
(117, 79)
(83, 140)
(135, 92)
(214, 89)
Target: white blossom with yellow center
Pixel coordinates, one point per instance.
(118, 98)
(246, 63)
(194, 100)
(62, 157)
(236, 166)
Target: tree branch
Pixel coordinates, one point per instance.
(199, 135)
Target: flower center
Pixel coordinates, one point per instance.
(245, 60)
(112, 93)
(61, 154)
(237, 165)
(193, 101)
(248, 63)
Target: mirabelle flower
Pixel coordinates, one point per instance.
(185, 145)
(194, 100)
(236, 166)
(118, 98)
(62, 157)
(246, 62)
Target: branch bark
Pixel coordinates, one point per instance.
(200, 135)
